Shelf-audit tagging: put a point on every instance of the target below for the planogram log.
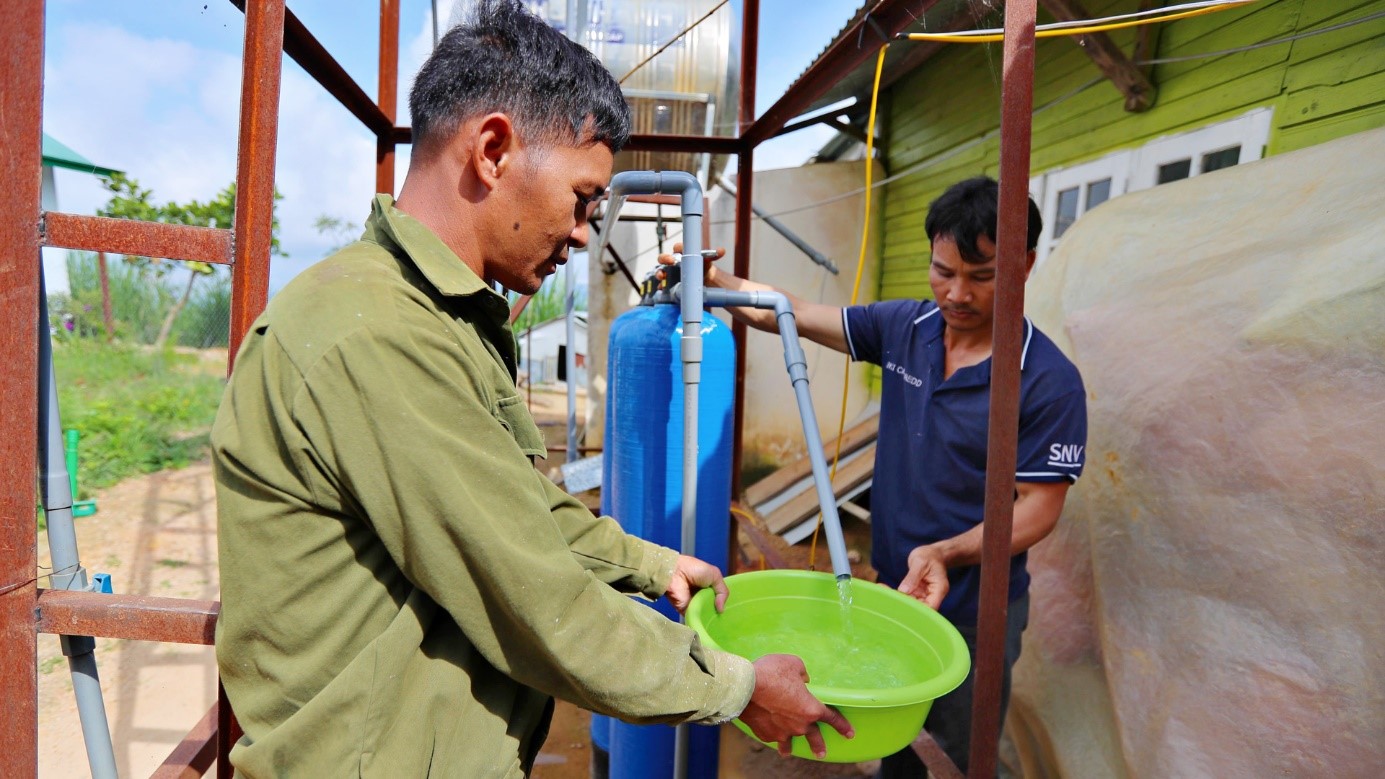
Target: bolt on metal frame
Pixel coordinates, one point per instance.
(271, 30)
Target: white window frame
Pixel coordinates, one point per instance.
(1250, 131)
(1131, 170)
(1115, 166)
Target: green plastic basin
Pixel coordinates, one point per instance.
(881, 662)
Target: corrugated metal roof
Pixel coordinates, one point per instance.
(858, 82)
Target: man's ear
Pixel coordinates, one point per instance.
(1029, 262)
(494, 149)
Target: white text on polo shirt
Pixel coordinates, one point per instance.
(1065, 455)
(908, 379)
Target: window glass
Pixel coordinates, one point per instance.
(1067, 211)
(1174, 171)
(1098, 192)
(1221, 159)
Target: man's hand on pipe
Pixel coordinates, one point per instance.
(690, 575)
(927, 577)
(781, 706)
(708, 269)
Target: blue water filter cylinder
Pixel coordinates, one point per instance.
(644, 452)
(600, 728)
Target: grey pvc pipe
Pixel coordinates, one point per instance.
(690, 348)
(797, 364)
(68, 573)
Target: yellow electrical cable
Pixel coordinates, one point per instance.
(856, 286)
(949, 37)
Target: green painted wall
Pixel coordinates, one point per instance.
(946, 114)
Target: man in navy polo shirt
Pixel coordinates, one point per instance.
(930, 464)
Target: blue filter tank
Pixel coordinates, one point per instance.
(644, 456)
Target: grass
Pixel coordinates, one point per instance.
(138, 411)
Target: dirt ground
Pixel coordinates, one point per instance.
(156, 535)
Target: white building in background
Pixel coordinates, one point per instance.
(540, 348)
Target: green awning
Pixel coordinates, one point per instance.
(59, 156)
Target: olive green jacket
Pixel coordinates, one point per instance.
(402, 591)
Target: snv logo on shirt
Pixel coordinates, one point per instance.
(1065, 455)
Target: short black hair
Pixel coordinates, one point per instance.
(969, 210)
(503, 58)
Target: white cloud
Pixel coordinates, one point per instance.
(167, 113)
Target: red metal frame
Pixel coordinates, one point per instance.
(21, 141)
(126, 236)
(271, 31)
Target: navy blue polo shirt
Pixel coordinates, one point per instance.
(930, 457)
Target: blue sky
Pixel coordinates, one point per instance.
(152, 88)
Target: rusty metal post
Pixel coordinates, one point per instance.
(388, 94)
(107, 318)
(259, 130)
(745, 185)
(1016, 124)
(21, 150)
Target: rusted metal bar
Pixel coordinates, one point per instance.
(1016, 125)
(259, 130)
(107, 317)
(698, 144)
(21, 138)
(740, 254)
(388, 94)
(518, 308)
(129, 236)
(305, 49)
(195, 753)
(135, 617)
(940, 766)
(858, 44)
(662, 200)
(228, 732)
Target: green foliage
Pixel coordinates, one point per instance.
(131, 201)
(205, 322)
(340, 231)
(139, 410)
(548, 304)
(140, 300)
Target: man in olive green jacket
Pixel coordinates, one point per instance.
(402, 592)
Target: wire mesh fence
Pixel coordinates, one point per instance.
(153, 304)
